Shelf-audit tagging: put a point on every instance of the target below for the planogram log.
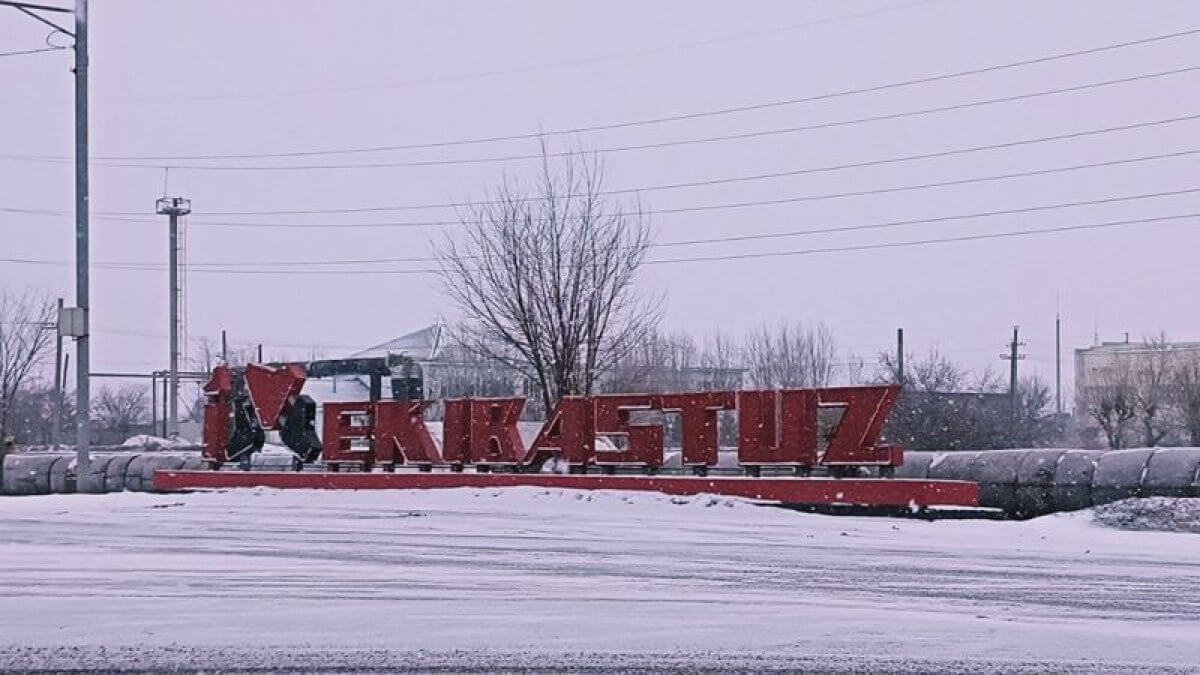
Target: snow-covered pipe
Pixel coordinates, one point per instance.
(28, 474)
(153, 463)
(133, 473)
(1032, 482)
(1172, 472)
(93, 481)
(62, 470)
(114, 475)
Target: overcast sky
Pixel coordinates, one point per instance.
(171, 79)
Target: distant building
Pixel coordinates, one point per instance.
(449, 371)
(1113, 372)
(1094, 364)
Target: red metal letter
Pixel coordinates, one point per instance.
(644, 441)
(338, 432)
(698, 415)
(494, 435)
(218, 393)
(401, 435)
(777, 427)
(270, 388)
(456, 431)
(854, 438)
(568, 432)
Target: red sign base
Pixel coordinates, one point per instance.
(872, 492)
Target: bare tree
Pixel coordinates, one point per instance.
(1033, 426)
(1151, 387)
(856, 369)
(545, 281)
(935, 411)
(122, 410)
(790, 355)
(657, 363)
(934, 372)
(1111, 401)
(206, 353)
(25, 340)
(944, 406)
(31, 417)
(723, 370)
(463, 373)
(1185, 384)
(721, 357)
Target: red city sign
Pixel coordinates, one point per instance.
(776, 427)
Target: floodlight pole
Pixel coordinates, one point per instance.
(173, 207)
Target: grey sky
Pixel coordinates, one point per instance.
(180, 78)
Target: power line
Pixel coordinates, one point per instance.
(760, 202)
(656, 145)
(664, 261)
(700, 183)
(540, 67)
(924, 242)
(32, 51)
(143, 267)
(742, 237)
(917, 221)
(681, 116)
(729, 205)
(946, 183)
(202, 338)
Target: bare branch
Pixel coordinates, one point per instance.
(121, 410)
(546, 283)
(790, 355)
(26, 335)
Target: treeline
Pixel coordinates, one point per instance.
(943, 405)
(29, 401)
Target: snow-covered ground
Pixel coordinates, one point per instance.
(562, 580)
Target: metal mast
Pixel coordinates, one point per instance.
(173, 207)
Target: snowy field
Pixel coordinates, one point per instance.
(538, 580)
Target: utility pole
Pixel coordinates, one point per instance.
(900, 356)
(65, 369)
(59, 376)
(73, 321)
(1012, 357)
(1058, 363)
(163, 377)
(173, 207)
(154, 402)
(83, 360)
